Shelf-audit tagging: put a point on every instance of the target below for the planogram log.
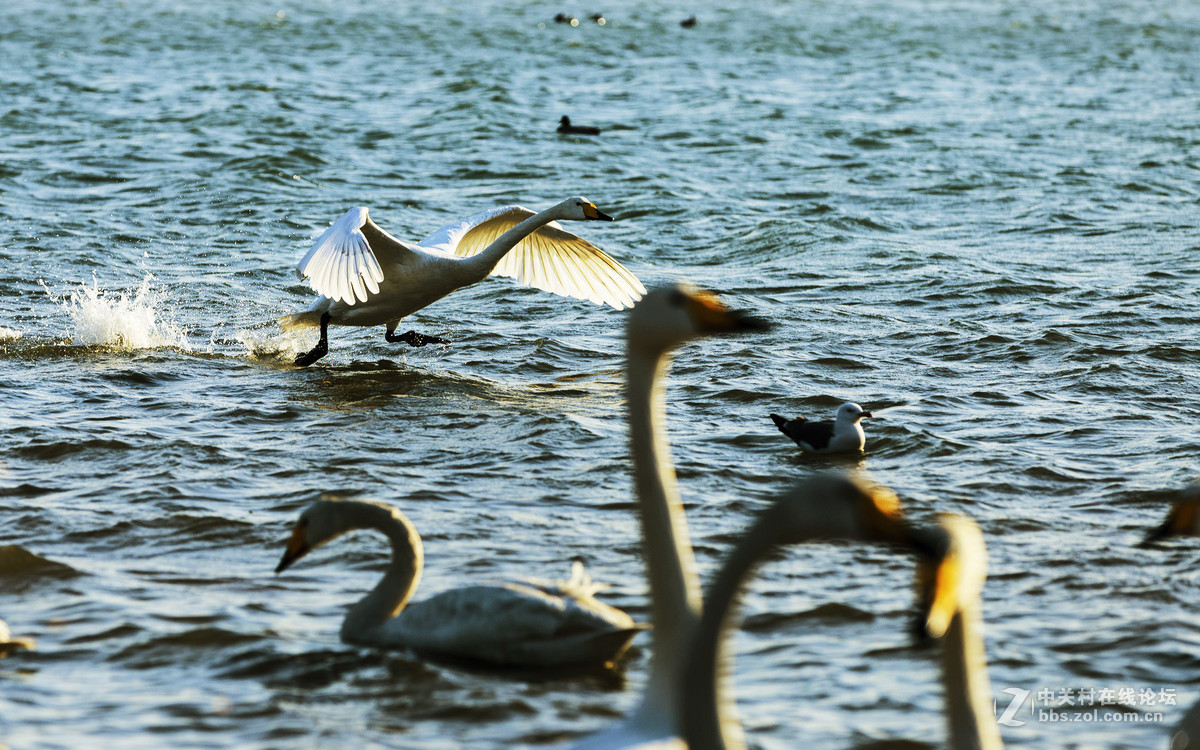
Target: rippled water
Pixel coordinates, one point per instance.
(977, 219)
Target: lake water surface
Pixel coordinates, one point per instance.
(977, 219)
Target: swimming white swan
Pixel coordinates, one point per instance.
(844, 433)
(665, 318)
(826, 507)
(366, 277)
(951, 588)
(526, 623)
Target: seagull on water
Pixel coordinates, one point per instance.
(843, 434)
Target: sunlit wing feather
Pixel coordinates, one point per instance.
(341, 264)
(551, 259)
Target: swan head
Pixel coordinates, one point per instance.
(840, 507)
(1183, 519)
(327, 519)
(951, 575)
(579, 209)
(851, 412)
(667, 316)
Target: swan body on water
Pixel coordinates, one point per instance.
(527, 623)
(367, 277)
(664, 319)
(822, 508)
(842, 434)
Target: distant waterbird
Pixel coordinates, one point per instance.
(10, 645)
(1183, 518)
(566, 128)
(524, 623)
(842, 434)
(367, 277)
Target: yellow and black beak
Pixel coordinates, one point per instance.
(712, 316)
(938, 585)
(939, 575)
(595, 214)
(297, 547)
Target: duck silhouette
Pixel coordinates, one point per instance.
(565, 126)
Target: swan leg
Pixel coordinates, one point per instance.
(318, 351)
(412, 338)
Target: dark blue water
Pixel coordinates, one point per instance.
(977, 219)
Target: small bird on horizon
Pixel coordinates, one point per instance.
(842, 434)
(565, 126)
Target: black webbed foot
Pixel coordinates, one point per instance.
(412, 338)
(318, 351)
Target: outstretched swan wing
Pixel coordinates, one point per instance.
(551, 258)
(345, 262)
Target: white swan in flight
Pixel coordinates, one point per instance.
(821, 508)
(950, 588)
(527, 623)
(366, 277)
(664, 319)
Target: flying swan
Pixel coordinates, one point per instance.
(663, 320)
(367, 277)
(529, 623)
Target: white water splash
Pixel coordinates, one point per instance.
(270, 344)
(104, 319)
(8, 334)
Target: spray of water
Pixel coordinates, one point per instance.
(119, 321)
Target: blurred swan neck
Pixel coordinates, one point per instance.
(709, 710)
(968, 690)
(487, 259)
(671, 567)
(396, 587)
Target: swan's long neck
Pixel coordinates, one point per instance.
(399, 582)
(709, 712)
(482, 263)
(671, 568)
(968, 690)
